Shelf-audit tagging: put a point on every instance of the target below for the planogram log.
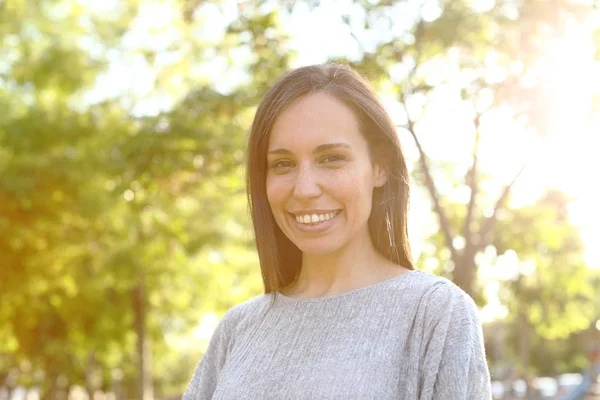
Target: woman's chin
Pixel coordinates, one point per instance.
(317, 249)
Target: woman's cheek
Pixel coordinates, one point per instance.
(348, 182)
(276, 188)
(271, 190)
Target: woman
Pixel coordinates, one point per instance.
(345, 315)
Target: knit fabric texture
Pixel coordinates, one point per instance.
(414, 336)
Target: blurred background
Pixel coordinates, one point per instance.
(124, 231)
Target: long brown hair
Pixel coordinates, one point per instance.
(280, 259)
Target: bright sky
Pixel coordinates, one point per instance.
(565, 161)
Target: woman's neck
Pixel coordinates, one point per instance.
(347, 269)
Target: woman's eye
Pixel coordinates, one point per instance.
(281, 164)
(332, 158)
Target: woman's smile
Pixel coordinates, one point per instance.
(314, 221)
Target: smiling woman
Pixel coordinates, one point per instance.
(344, 314)
(319, 180)
(336, 131)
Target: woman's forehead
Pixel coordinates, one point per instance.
(314, 120)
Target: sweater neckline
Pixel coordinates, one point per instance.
(373, 286)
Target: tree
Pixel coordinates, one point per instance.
(451, 52)
(551, 294)
(122, 212)
(108, 215)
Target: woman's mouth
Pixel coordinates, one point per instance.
(315, 219)
(315, 222)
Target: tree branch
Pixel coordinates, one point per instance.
(346, 21)
(471, 179)
(423, 160)
(472, 183)
(489, 223)
(443, 220)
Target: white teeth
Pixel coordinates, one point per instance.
(315, 218)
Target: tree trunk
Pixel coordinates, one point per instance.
(523, 343)
(465, 271)
(145, 390)
(89, 374)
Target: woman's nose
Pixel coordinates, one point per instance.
(306, 185)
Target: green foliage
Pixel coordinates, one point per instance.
(102, 198)
(556, 294)
(95, 201)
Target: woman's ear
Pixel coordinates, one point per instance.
(380, 176)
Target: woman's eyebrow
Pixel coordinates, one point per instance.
(318, 149)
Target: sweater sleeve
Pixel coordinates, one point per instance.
(204, 380)
(455, 365)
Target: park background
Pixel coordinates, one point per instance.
(124, 229)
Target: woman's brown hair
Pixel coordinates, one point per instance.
(280, 259)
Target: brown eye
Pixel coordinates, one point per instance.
(332, 158)
(281, 165)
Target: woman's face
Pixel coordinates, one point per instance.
(320, 178)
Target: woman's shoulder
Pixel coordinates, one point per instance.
(248, 307)
(436, 293)
(254, 306)
(431, 293)
(428, 282)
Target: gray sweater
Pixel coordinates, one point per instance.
(415, 336)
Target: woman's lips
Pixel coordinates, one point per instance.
(320, 226)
